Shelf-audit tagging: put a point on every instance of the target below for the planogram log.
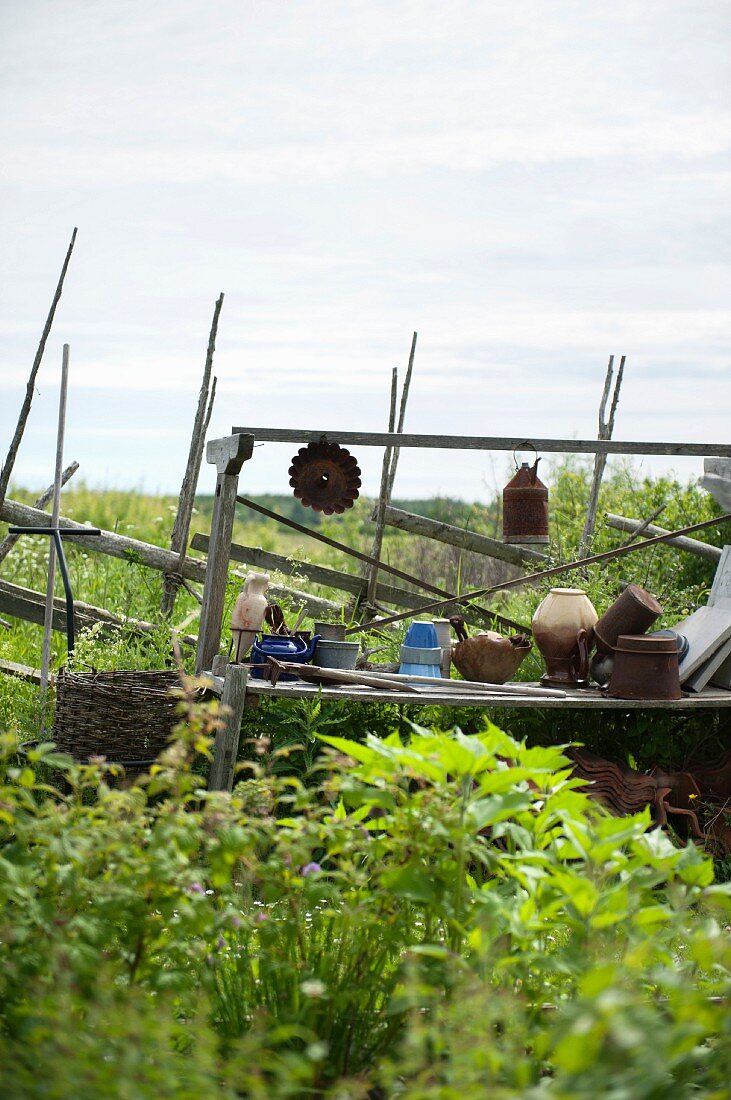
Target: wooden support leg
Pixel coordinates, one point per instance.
(229, 454)
(227, 737)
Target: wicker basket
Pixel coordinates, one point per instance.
(126, 716)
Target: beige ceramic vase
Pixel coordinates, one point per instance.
(248, 613)
(562, 627)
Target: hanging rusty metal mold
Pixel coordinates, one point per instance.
(325, 477)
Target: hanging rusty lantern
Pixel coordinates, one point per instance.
(525, 507)
(325, 477)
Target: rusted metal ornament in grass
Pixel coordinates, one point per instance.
(325, 477)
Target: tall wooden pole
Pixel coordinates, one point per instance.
(606, 427)
(382, 497)
(181, 527)
(55, 511)
(401, 418)
(7, 467)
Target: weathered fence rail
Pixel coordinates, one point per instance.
(693, 546)
(485, 442)
(27, 604)
(460, 537)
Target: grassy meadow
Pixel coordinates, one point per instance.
(394, 902)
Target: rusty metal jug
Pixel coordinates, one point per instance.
(525, 507)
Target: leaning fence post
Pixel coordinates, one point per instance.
(228, 454)
(226, 746)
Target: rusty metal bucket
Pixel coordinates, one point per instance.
(645, 667)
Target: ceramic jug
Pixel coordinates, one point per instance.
(562, 627)
(248, 613)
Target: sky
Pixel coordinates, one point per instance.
(531, 186)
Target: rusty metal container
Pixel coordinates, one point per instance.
(525, 507)
(633, 612)
(645, 667)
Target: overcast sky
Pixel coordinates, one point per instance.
(529, 185)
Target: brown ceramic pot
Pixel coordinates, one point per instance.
(562, 626)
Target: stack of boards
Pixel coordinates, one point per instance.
(708, 631)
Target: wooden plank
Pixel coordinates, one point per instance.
(710, 669)
(721, 589)
(588, 699)
(228, 455)
(693, 546)
(717, 480)
(408, 682)
(458, 536)
(22, 672)
(233, 697)
(484, 443)
(705, 630)
(216, 573)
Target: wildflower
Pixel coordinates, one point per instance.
(313, 988)
(260, 917)
(195, 888)
(235, 921)
(310, 869)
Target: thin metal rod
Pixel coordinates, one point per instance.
(70, 630)
(484, 443)
(55, 510)
(531, 578)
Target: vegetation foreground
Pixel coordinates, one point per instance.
(380, 909)
(437, 916)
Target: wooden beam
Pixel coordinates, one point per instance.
(116, 546)
(576, 699)
(225, 751)
(22, 672)
(693, 546)
(228, 455)
(145, 553)
(458, 536)
(484, 443)
(29, 605)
